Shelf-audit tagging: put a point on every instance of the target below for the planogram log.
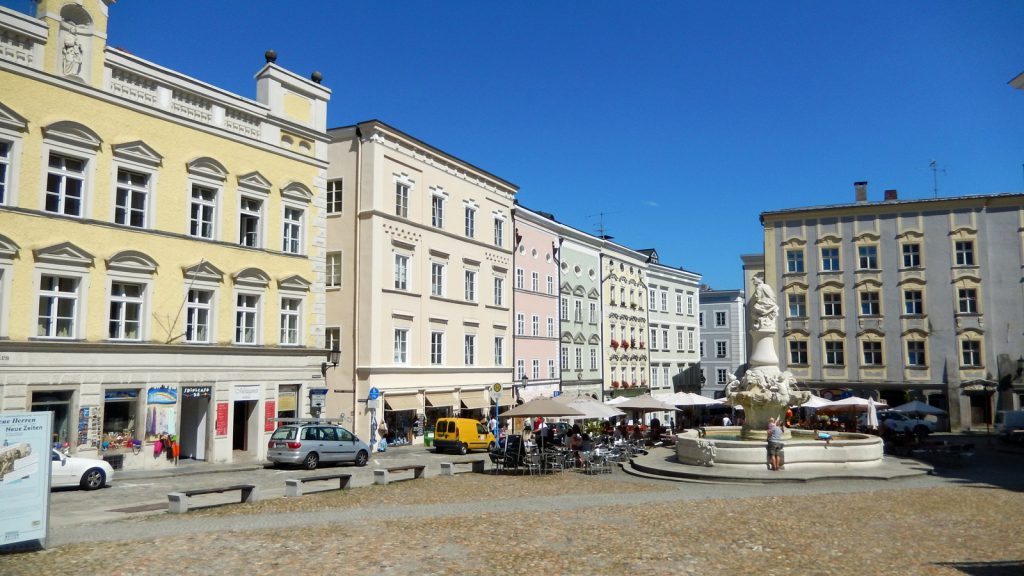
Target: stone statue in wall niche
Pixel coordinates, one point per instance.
(71, 54)
(766, 309)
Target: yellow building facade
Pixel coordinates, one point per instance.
(161, 245)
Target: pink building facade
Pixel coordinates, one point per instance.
(535, 324)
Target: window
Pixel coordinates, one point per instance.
(654, 377)
(872, 353)
(565, 308)
(470, 221)
(971, 351)
(290, 321)
(798, 352)
(869, 304)
(521, 324)
(689, 305)
(470, 346)
(579, 358)
(653, 303)
(198, 308)
(720, 319)
(250, 212)
(700, 320)
(401, 272)
(722, 375)
(471, 285)
(552, 371)
(593, 359)
(833, 304)
(535, 372)
(911, 255)
(125, 319)
(520, 369)
(701, 348)
(967, 299)
(292, 230)
(679, 304)
(402, 199)
(654, 338)
(964, 253)
(689, 340)
(867, 257)
(664, 301)
(915, 353)
(58, 307)
(535, 325)
(551, 284)
(499, 231)
(437, 211)
(332, 276)
(246, 318)
(565, 358)
(65, 184)
(834, 353)
(202, 212)
(5, 170)
(332, 338)
(437, 278)
(334, 196)
(593, 313)
(499, 291)
(520, 275)
(721, 349)
(120, 414)
(913, 302)
(830, 259)
(664, 339)
(794, 260)
(577, 311)
(131, 198)
(534, 281)
(551, 327)
(796, 305)
(437, 348)
(499, 350)
(401, 355)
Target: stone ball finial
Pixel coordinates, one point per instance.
(316, 76)
(271, 56)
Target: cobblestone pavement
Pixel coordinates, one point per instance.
(572, 524)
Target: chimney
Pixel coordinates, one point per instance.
(860, 190)
(891, 195)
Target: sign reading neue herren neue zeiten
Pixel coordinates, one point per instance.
(24, 477)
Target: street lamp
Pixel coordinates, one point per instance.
(333, 357)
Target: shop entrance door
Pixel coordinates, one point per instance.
(195, 419)
(245, 414)
(60, 404)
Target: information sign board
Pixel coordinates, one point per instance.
(25, 476)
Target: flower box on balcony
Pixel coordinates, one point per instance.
(615, 383)
(614, 344)
(625, 344)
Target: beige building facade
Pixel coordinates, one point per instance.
(423, 312)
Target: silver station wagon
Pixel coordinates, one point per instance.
(310, 445)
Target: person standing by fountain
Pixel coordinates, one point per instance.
(774, 445)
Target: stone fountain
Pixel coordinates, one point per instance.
(766, 392)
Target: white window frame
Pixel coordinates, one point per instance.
(520, 324)
(132, 189)
(679, 303)
(499, 231)
(975, 353)
(65, 174)
(520, 278)
(534, 281)
(499, 291)
(725, 319)
(721, 348)
(247, 213)
(193, 309)
(244, 311)
(332, 270)
(835, 353)
(402, 271)
(335, 195)
(552, 369)
(141, 301)
(910, 254)
(499, 350)
(520, 368)
(913, 301)
(799, 353)
(401, 349)
(551, 284)
(722, 375)
(795, 261)
(211, 204)
(535, 325)
(77, 295)
(469, 221)
(917, 358)
(403, 194)
(831, 262)
(867, 257)
(535, 369)
(9, 192)
(593, 359)
(551, 327)
(469, 349)
(290, 319)
(664, 301)
(796, 305)
(593, 313)
(438, 278)
(437, 202)
(437, 348)
(654, 338)
(293, 231)
(964, 252)
(470, 286)
(872, 357)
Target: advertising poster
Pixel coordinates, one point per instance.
(222, 419)
(161, 411)
(24, 476)
(269, 413)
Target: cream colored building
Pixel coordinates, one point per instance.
(420, 248)
(161, 244)
(624, 307)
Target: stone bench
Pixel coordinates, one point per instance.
(293, 486)
(382, 476)
(477, 466)
(177, 502)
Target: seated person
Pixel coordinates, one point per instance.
(820, 435)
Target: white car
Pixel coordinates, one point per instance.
(901, 423)
(88, 473)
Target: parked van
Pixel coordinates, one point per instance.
(1010, 425)
(461, 435)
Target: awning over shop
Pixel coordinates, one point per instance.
(475, 399)
(396, 402)
(506, 397)
(439, 399)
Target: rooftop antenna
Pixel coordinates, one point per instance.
(600, 222)
(935, 176)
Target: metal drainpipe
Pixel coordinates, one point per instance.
(355, 295)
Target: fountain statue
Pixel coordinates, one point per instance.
(765, 392)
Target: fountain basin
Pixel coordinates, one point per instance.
(803, 449)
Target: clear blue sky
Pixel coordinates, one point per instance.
(682, 121)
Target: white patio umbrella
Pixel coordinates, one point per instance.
(617, 400)
(689, 399)
(918, 407)
(816, 402)
(645, 403)
(593, 409)
(872, 419)
(543, 407)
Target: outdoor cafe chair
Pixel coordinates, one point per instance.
(497, 462)
(533, 462)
